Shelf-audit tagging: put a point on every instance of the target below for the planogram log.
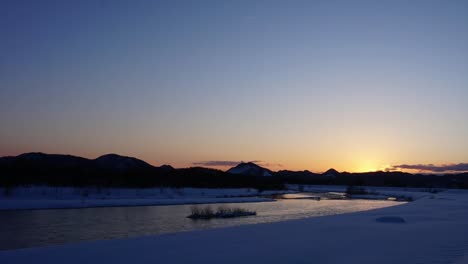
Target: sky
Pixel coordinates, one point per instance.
(353, 85)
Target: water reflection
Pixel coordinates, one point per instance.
(33, 228)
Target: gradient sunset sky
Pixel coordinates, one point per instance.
(353, 85)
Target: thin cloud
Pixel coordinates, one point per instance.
(232, 163)
(460, 167)
(217, 163)
(267, 164)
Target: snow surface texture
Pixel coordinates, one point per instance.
(43, 197)
(435, 231)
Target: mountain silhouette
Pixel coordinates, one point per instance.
(331, 173)
(114, 161)
(122, 171)
(250, 169)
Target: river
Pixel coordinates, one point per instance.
(37, 228)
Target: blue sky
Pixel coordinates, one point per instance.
(356, 85)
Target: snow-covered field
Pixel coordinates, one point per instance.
(435, 230)
(44, 197)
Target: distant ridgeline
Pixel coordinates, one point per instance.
(119, 171)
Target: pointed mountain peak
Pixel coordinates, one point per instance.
(331, 172)
(167, 167)
(250, 169)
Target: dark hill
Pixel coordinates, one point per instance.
(117, 162)
(250, 169)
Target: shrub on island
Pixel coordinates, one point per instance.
(222, 212)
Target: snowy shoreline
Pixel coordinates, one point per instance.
(435, 230)
(14, 205)
(44, 197)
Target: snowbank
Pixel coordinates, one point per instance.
(44, 197)
(87, 203)
(434, 230)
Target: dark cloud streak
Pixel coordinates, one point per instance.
(221, 163)
(232, 163)
(460, 167)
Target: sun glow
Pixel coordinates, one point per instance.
(372, 167)
(368, 166)
(366, 169)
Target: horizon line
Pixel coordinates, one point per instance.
(454, 168)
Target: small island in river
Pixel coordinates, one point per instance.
(222, 212)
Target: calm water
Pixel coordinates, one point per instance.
(35, 228)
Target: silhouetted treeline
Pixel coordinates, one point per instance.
(118, 171)
(379, 178)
